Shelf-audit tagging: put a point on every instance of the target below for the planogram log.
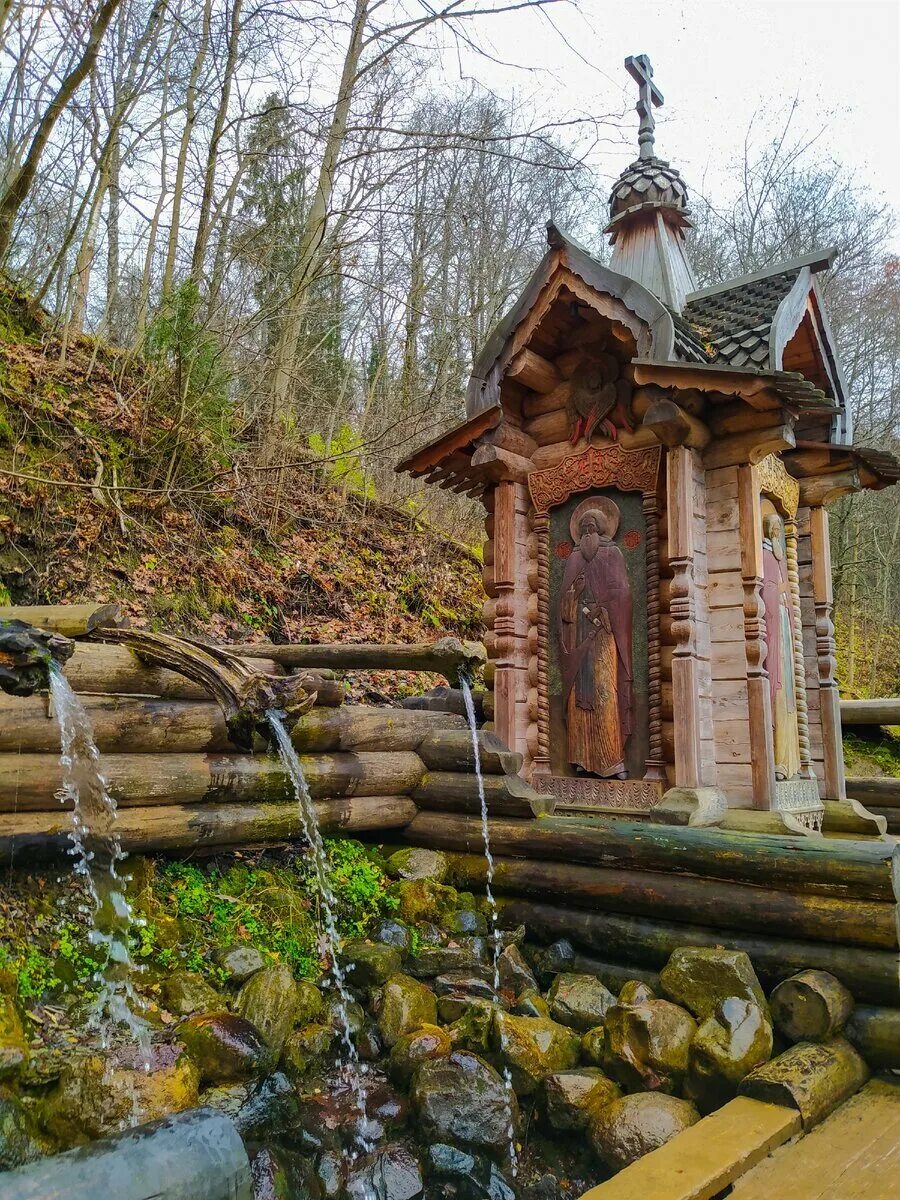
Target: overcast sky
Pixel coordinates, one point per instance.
(717, 62)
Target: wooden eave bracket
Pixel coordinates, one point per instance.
(458, 440)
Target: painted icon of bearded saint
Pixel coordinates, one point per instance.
(594, 632)
(779, 612)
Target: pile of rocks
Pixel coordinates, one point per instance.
(460, 1082)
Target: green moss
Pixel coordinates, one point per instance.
(882, 751)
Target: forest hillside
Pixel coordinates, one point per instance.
(88, 510)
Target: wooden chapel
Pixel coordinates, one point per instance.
(656, 461)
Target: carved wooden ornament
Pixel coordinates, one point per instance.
(775, 482)
(596, 467)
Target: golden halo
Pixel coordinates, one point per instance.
(604, 507)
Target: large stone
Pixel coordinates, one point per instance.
(21, 1141)
(593, 1045)
(403, 1004)
(572, 1097)
(370, 964)
(473, 1029)
(239, 962)
(701, 977)
(13, 1044)
(390, 1173)
(648, 1045)
(515, 974)
(466, 922)
(727, 1046)
(394, 933)
(471, 983)
(580, 1001)
(628, 1128)
(96, 1096)
(305, 1047)
(415, 862)
(422, 900)
(270, 1000)
(329, 1111)
(187, 992)
(427, 1042)
(463, 1099)
(225, 1047)
(280, 1174)
(467, 955)
(269, 1109)
(635, 992)
(532, 1048)
(531, 1004)
(474, 1176)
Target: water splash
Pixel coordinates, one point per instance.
(352, 1068)
(493, 913)
(98, 853)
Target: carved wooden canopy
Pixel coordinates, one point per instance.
(611, 466)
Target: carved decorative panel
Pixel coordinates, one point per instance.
(631, 795)
(596, 467)
(775, 481)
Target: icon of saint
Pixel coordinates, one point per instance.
(779, 613)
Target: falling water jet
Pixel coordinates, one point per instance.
(493, 914)
(98, 853)
(353, 1070)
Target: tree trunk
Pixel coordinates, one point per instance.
(875, 1032)
(364, 727)
(810, 1007)
(447, 656)
(20, 185)
(71, 620)
(813, 1079)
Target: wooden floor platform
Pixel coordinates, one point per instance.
(755, 1148)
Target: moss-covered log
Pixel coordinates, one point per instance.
(364, 727)
(812, 1078)
(863, 870)
(871, 975)
(101, 669)
(455, 792)
(875, 1032)
(882, 791)
(34, 837)
(71, 620)
(448, 656)
(685, 898)
(452, 750)
(29, 782)
(871, 712)
(810, 1007)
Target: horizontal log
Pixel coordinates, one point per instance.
(533, 371)
(70, 620)
(452, 750)
(883, 791)
(365, 727)
(506, 795)
(871, 975)
(875, 1032)
(814, 1079)
(29, 782)
(722, 906)
(863, 870)
(447, 656)
(100, 669)
(31, 837)
(891, 818)
(871, 712)
(450, 699)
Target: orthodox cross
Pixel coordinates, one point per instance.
(638, 67)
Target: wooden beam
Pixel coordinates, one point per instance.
(534, 371)
(446, 656)
(675, 427)
(751, 447)
(69, 620)
(870, 712)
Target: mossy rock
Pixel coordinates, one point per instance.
(21, 1140)
(531, 1003)
(270, 1000)
(626, 1129)
(533, 1048)
(422, 900)
(416, 862)
(635, 992)
(412, 1049)
(463, 1100)
(727, 1046)
(370, 964)
(572, 1097)
(580, 1001)
(700, 977)
(647, 1046)
(593, 1045)
(187, 992)
(306, 1047)
(403, 1005)
(473, 1029)
(239, 962)
(14, 1049)
(226, 1047)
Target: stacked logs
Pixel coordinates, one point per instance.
(632, 892)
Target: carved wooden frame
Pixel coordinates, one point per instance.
(784, 492)
(629, 471)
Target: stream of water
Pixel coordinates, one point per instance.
(352, 1068)
(493, 914)
(98, 854)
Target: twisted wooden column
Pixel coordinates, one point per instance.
(656, 768)
(829, 700)
(793, 574)
(542, 530)
(685, 677)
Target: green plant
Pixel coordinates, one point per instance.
(342, 458)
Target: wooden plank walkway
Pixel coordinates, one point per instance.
(699, 1163)
(853, 1155)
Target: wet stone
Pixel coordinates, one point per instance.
(390, 1173)
(427, 1042)
(270, 1000)
(305, 1047)
(593, 1045)
(647, 1045)
(456, 1005)
(187, 992)
(370, 964)
(471, 983)
(531, 1004)
(415, 862)
(461, 1099)
(280, 1174)
(394, 933)
(515, 974)
(330, 1117)
(727, 1046)
(467, 923)
(269, 1109)
(240, 962)
(473, 1030)
(448, 1162)
(423, 900)
(225, 1047)
(465, 954)
(533, 1048)
(635, 992)
(572, 1097)
(335, 1011)
(404, 1004)
(580, 1001)
(701, 977)
(330, 1174)
(21, 1141)
(13, 1044)
(628, 1128)
(369, 1046)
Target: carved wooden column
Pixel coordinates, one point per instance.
(510, 614)
(656, 763)
(829, 698)
(793, 574)
(758, 697)
(685, 675)
(541, 525)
